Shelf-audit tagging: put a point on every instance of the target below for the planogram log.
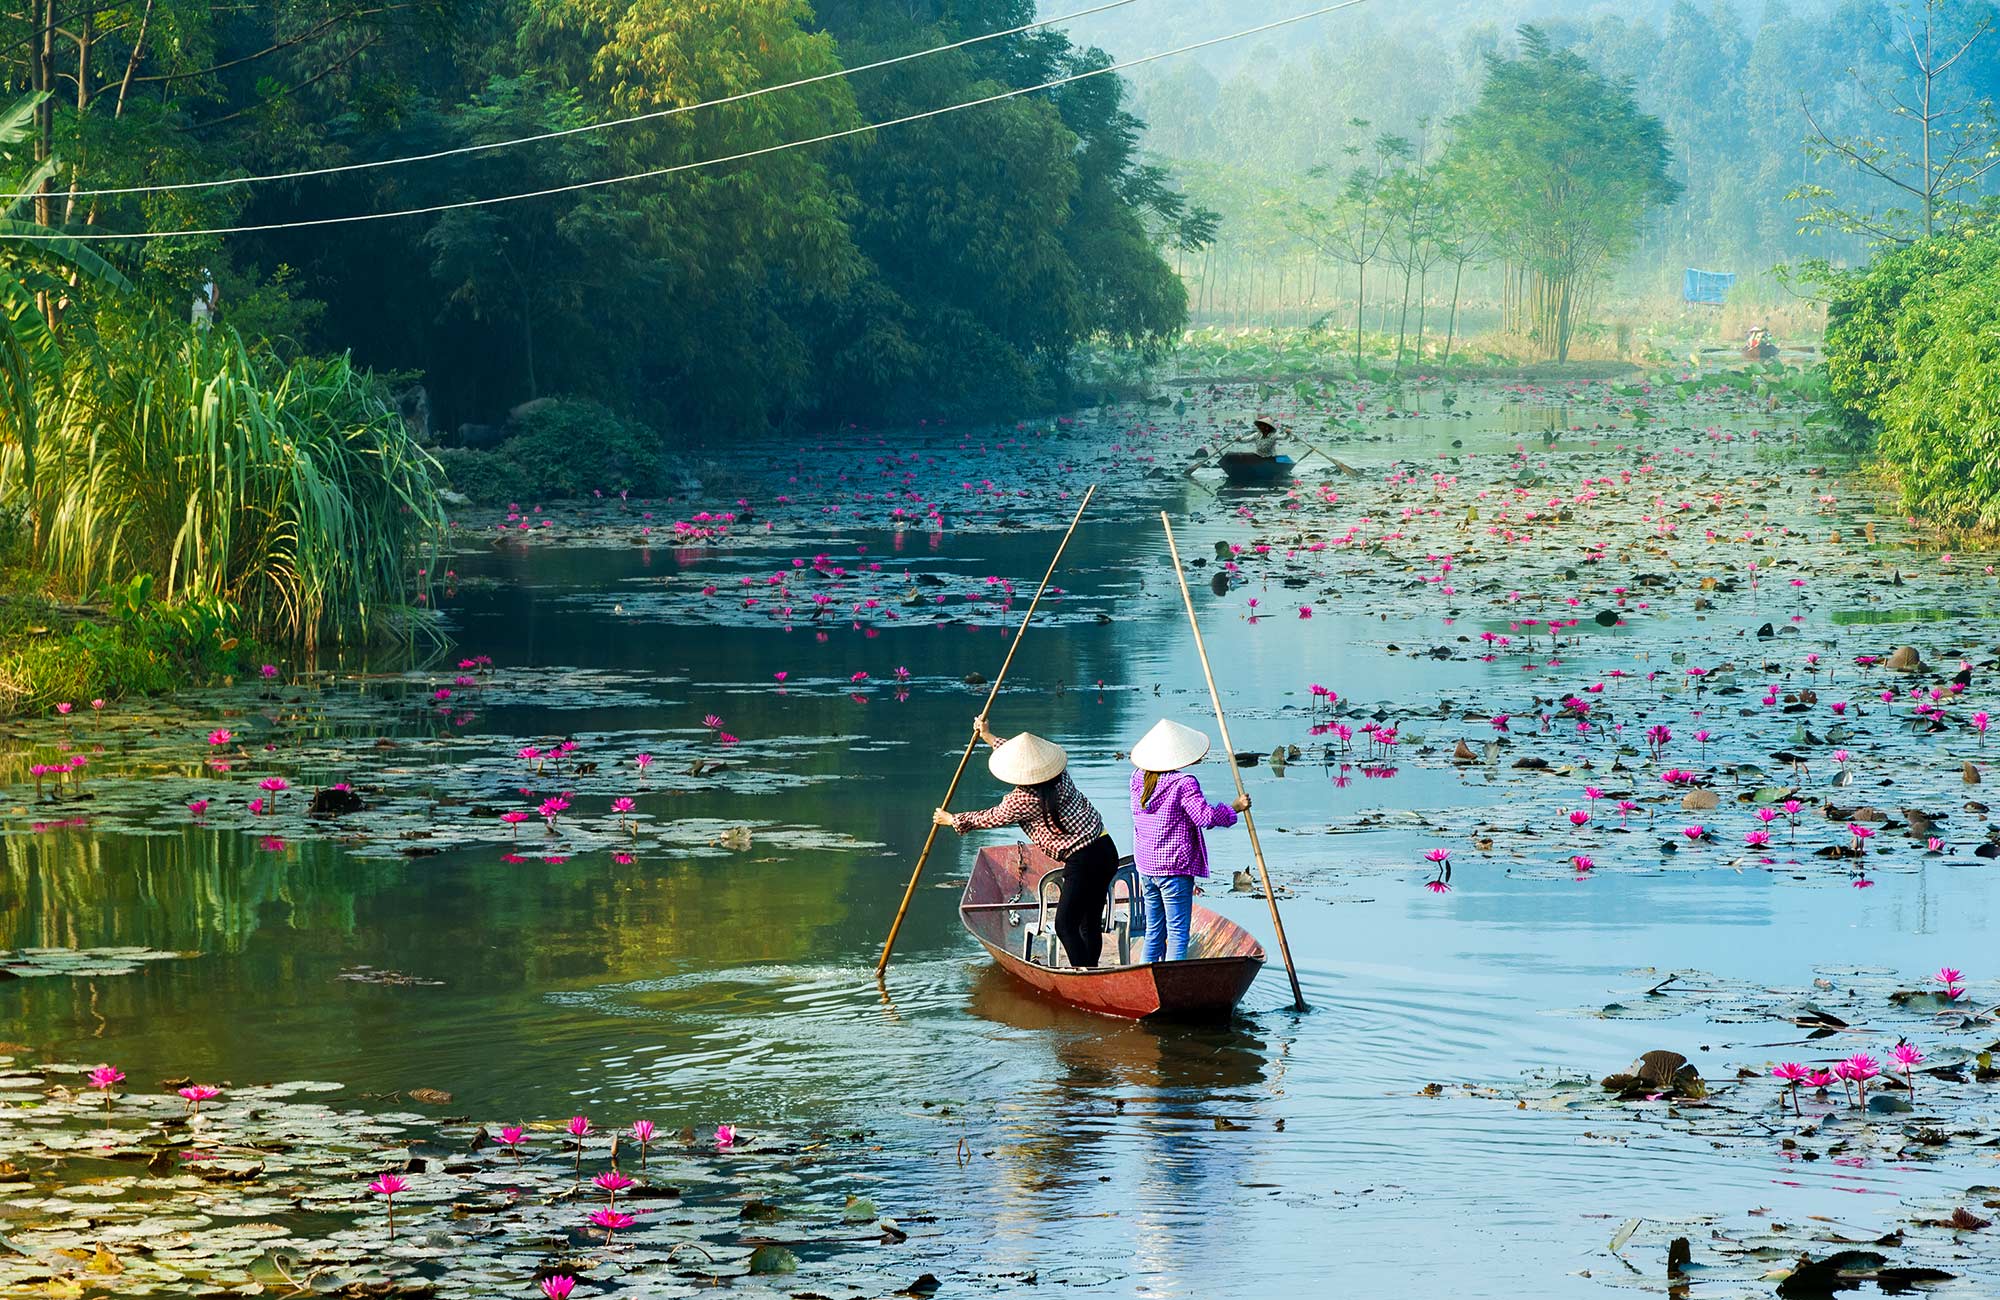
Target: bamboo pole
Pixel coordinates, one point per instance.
(965, 760)
(1222, 724)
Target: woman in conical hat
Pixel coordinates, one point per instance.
(1169, 813)
(1061, 823)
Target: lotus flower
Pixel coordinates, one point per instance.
(558, 1287)
(611, 1221)
(642, 1133)
(1794, 1074)
(725, 1136)
(1907, 1056)
(102, 1079)
(386, 1187)
(196, 1094)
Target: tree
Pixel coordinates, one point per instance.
(1566, 168)
(1956, 134)
(1462, 238)
(38, 269)
(1352, 227)
(1414, 207)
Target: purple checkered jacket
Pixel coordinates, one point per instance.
(1166, 835)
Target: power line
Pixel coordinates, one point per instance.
(457, 151)
(655, 173)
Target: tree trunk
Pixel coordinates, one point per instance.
(1360, 304)
(1451, 331)
(1422, 305)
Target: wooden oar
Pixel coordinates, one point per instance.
(1222, 724)
(888, 945)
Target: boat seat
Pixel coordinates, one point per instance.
(1038, 941)
(1122, 919)
(1121, 928)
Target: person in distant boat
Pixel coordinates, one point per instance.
(1169, 814)
(1266, 444)
(1060, 822)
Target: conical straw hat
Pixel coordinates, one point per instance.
(1169, 747)
(1027, 759)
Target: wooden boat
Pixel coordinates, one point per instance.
(1009, 906)
(1249, 467)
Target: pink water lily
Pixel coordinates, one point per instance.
(512, 1137)
(1907, 1056)
(611, 1221)
(614, 1182)
(579, 1128)
(220, 736)
(197, 1093)
(642, 1133)
(725, 1136)
(386, 1187)
(1794, 1074)
(102, 1079)
(558, 1287)
(198, 807)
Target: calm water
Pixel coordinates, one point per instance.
(740, 988)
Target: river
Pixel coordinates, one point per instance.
(1013, 1138)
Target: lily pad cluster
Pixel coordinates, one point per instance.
(1923, 1128)
(263, 1190)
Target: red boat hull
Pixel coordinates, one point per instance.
(1224, 957)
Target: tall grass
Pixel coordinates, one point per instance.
(290, 491)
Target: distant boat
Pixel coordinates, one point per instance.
(1249, 467)
(1009, 906)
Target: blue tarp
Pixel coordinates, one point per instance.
(1710, 287)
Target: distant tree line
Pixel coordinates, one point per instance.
(1792, 131)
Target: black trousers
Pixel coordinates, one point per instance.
(1086, 884)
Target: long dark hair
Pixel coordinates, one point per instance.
(1044, 795)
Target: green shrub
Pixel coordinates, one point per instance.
(145, 650)
(290, 491)
(487, 478)
(1913, 350)
(568, 448)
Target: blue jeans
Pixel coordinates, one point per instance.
(1169, 908)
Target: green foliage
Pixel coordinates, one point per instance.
(487, 478)
(37, 266)
(49, 654)
(575, 448)
(291, 494)
(563, 448)
(1564, 167)
(1913, 349)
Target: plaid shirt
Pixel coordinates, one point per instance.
(1166, 837)
(1076, 822)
